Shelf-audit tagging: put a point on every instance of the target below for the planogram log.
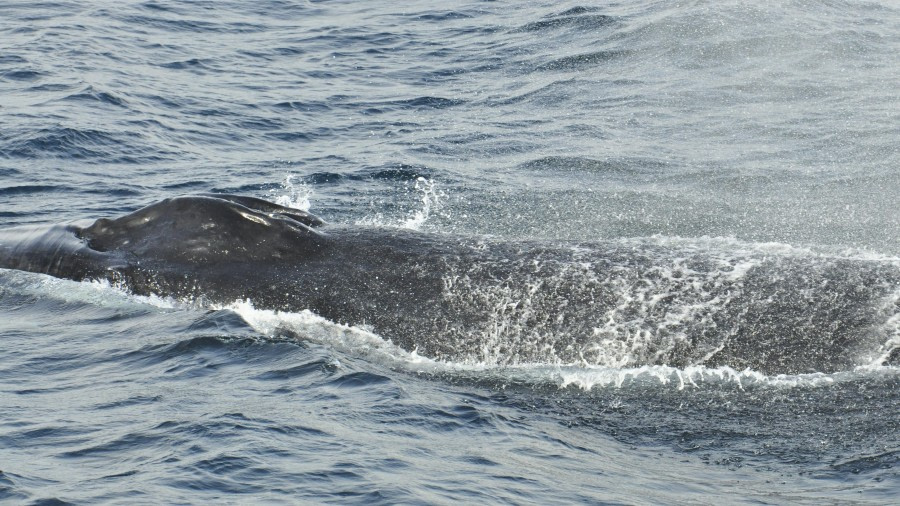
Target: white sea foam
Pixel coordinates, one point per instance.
(892, 330)
(96, 292)
(688, 377)
(354, 340)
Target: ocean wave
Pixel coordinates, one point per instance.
(22, 75)
(578, 19)
(91, 94)
(29, 189)
(87, 145)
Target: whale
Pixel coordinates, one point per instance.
(477, 299)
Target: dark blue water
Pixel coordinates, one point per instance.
(761, 138)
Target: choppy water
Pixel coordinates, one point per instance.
(748, 135)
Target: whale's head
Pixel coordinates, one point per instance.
(207, 229)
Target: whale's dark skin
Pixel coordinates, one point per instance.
(467, 298)
(223, 248)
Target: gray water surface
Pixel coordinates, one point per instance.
(764, 132)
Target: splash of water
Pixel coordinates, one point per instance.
(430, 198)
(892, 327)
(292, 194)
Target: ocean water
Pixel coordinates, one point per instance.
(722, 178)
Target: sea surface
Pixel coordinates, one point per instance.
(753, 146)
